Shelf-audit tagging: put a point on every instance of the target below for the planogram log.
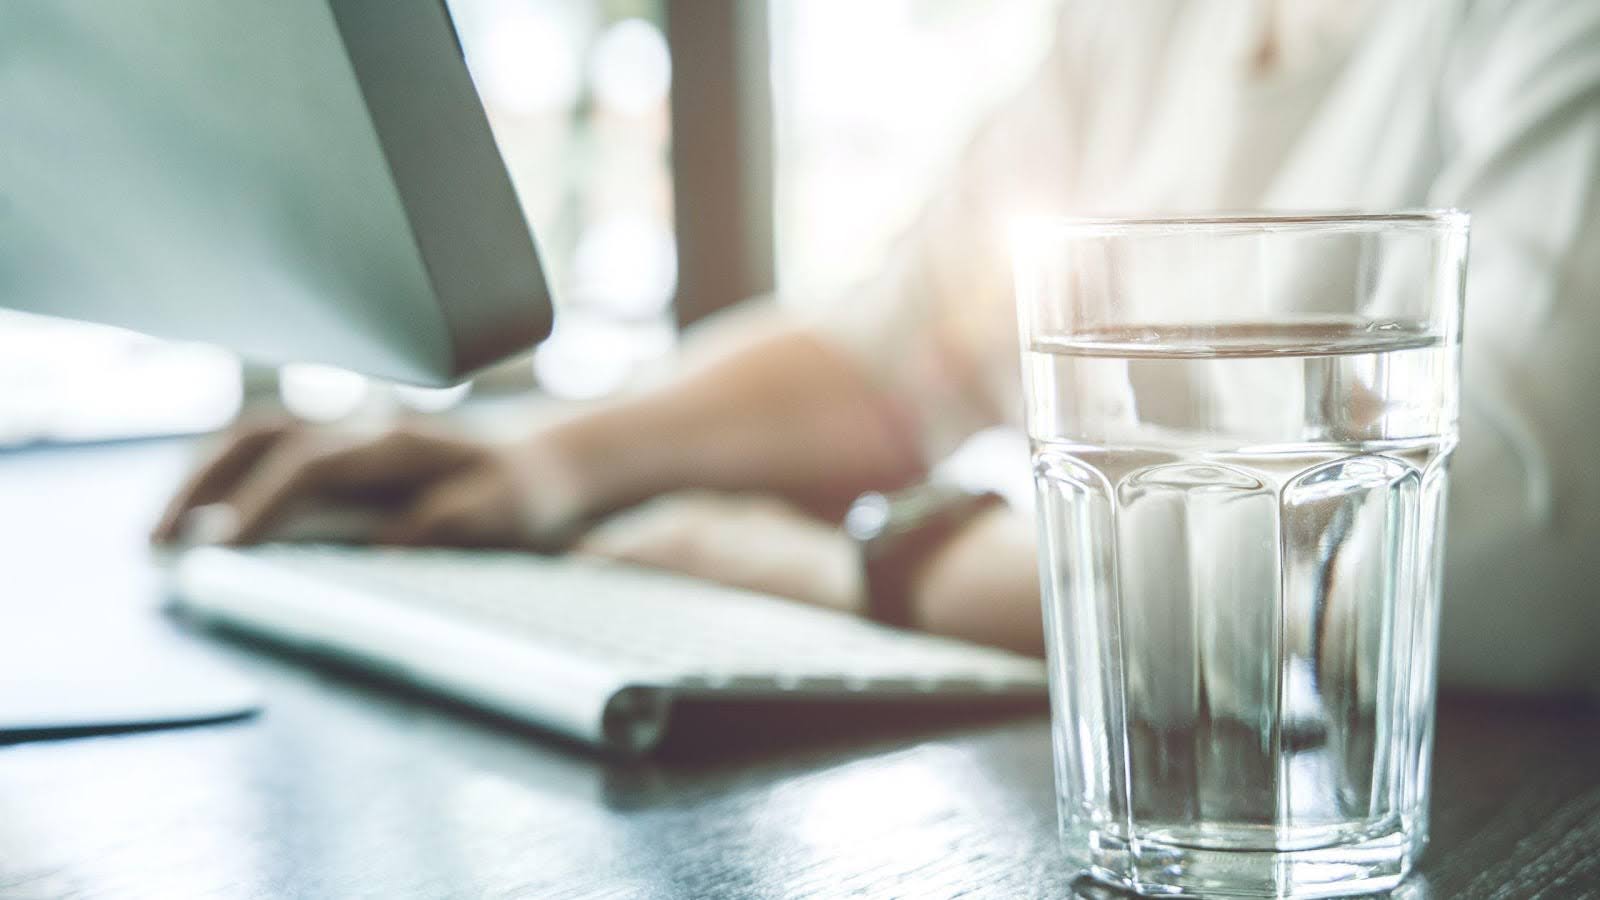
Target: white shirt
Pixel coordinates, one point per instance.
(1173, 105)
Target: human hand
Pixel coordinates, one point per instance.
(415, 487)
(751, 541)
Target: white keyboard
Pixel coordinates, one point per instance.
(596, 651)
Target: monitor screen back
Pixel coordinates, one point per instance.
(307, 180)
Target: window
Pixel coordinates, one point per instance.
(872, 102)
(577, 94)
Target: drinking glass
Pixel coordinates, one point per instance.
(1240, 429)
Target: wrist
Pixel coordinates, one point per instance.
(897, 536)
(555, 483)
(983, 584)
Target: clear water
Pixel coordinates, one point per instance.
(1241, 535)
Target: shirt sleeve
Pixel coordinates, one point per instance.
(935, 326)
(1521, 126)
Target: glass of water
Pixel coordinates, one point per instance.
(1240, 430)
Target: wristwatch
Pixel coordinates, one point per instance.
(895, 532)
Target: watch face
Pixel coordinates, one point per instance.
(867, 518)
(897, 532)
(876, 519)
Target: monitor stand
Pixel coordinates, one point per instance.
(81, 678)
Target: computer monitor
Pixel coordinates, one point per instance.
(300, 180)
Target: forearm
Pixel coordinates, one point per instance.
(766, 407)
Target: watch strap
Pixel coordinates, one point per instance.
(897, 532)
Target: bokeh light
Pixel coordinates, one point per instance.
(590, 354)
(321, 393)
(527, 62)
(873, 103)
(588, 152)
(64, 381)
(631, 69)
(432, 400)
(627, 266)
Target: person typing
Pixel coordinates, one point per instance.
(738, 465)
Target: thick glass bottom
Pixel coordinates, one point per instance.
(1151, 867)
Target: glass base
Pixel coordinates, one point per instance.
(1154, 868)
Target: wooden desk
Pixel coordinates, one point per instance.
(346, 788)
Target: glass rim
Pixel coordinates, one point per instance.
(1441, 220)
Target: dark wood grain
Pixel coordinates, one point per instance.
(347, 788)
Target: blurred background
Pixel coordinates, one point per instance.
(673, 156)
